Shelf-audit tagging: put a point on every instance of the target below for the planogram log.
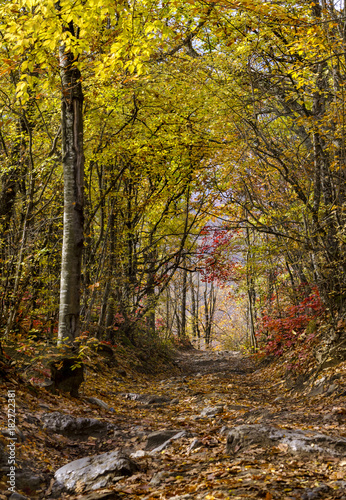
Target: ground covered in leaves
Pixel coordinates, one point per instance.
(242, 392)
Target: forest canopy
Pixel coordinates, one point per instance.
(165, 161)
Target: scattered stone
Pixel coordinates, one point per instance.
(211, 411)
(9, 433)
(252, 416)
(158, 477)
(315, 493)
(91, 473)
(224, 429)
(138, 454)
(29, 481)
(159, 440)
(17, 496)
(105, 351)
(45, 383)
(332, 388)
(31, 419)
(181, 497)
(297, 441)
(196, 443)
(147, 399)
(44, 406)
(317, 390)
(98, 402)
(74, 428)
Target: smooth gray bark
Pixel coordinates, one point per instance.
(73, 165)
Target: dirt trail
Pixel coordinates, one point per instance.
(241, 394)
(195, 361)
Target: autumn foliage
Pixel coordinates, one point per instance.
(281, 331)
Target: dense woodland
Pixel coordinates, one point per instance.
(165, 161)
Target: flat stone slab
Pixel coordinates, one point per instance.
(159, 440)
(74, 428)
(147, 399)
(91, 473)
(296, 441)
(211, 411)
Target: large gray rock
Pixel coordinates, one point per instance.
(91, 473)
(75, 428)
(296, 441)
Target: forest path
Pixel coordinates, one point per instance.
(196, 361)
(212, 392)
(216, 390)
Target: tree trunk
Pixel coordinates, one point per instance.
(251, 292)
(183, 302)
(73, 165)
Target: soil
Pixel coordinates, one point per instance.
(243, 393)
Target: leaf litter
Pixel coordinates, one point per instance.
(246, 394)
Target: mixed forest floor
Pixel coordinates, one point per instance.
(203, 395)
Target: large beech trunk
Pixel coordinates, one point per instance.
(73, 165)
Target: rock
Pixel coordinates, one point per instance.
(98, 402)
(254, 415)
(67, 375)
(196, 443)
(44, 406)
(45, 383)
(224, 430)
(105, 351)
(138, 454)
(317, 390)
(315, 493)
(158, 441)
(28, 481)
(75, 428)
(181, 497)
(17, 496)
(91, 473)
(156, 480)
(332, 388)
(147, 399)
(211, 411)
(9, 433)
(31, 419)
(297, 441)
